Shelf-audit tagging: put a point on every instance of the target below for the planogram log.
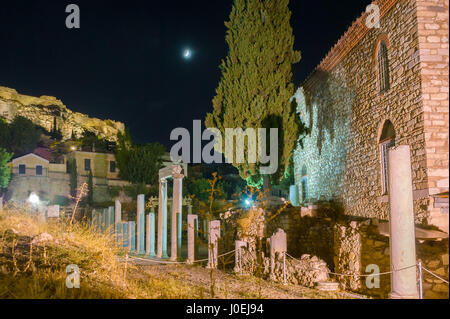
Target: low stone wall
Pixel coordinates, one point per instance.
(305, 235)
(358, 244)
(350, 246)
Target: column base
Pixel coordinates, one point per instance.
(395, 295)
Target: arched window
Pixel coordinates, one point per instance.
(304, 184)
(383, 67)
(387, 140)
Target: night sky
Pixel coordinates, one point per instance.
(126, 61)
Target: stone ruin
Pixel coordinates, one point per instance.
(306, 271)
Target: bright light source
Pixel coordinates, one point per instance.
(248, 202)
(73, 148)
(33, 199)
(187, 53)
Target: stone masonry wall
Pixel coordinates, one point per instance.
(433, 32)
(358, 244)
(345, 111)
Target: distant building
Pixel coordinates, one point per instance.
(34, 172)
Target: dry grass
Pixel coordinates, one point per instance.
(38, 270)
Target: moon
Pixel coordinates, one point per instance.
(187, 54)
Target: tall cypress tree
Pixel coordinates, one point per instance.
(256, 84)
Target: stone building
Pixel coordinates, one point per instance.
(376, 88)
(36, 172)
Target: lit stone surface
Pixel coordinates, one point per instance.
(238, 255)
(278, 245)
(132, 236)
(213, 245)
(402, 239)
(53, 211)
(150, 235)
(192, 226)
(341, 105)
(140, 222)
(176, 209)
(118, 214)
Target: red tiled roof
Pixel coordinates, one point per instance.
(43, 152)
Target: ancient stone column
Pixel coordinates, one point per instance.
(118, 214)
(111, 217)
(104, 219)
(192, 221)
(124, 234)
(93, 218)
(140, 222)
(239, 245)
(293, 195)
(176, 209)
(132, 236)
(213, 243)
(162, 220)
(278, 245)
(150, 234)
(401, 220)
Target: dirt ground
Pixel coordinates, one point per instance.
(230, 286)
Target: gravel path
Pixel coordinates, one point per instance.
(230, 286)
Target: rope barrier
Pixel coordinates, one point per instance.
(433, 274)
(178, 262)
(356, 275)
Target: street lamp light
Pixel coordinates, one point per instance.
(33, 199)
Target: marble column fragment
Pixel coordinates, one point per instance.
(150, 234)
(402, 229)
(140, 222)
(176, 209)
(162, 220)
(132, 236)
(192, 221)
(117, 215)
(239, 246)
(213, 243)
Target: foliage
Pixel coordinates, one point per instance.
(138, 163)
(135, 189)
(72, 167)
(92, 142)
(90, 195)
(256, 86)
(288, 177)
(19, 137)
(5, 171)
(199, 189)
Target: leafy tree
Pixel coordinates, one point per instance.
(138, 163)
(23, 136)
(91, 141)
(5, 171)
(4, 133)
(256, 86)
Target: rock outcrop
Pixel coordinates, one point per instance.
(51, 113)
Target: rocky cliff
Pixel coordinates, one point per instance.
(51, 113)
